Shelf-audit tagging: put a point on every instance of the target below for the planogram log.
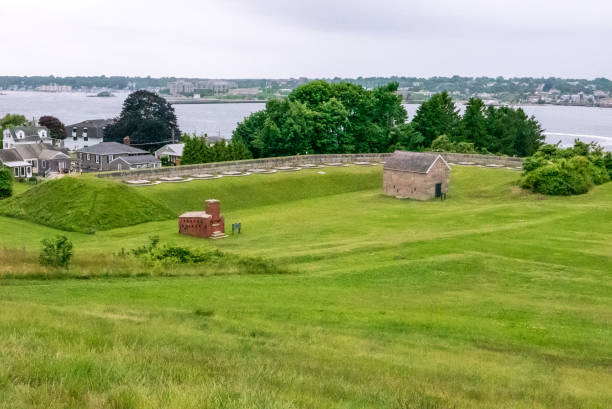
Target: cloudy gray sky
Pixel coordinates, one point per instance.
(316, 38)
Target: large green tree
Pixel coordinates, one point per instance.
(55, 126)
(320, 117)
(436, 116)
(148, 119)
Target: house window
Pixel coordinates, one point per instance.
(97, 158)
(85, 138)
(74, 132)
(111, 158)
(44, 164)
(23, 171)
(88, 156)
(16, 172)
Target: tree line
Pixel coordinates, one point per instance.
(322, 117)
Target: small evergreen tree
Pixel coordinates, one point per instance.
(6, 182)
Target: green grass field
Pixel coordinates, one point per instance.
(494, 298)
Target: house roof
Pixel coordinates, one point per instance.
(28, 130)
(16, 163)
(111, 148)
(175, 148)
(29, 150)
(48, 154)
(10, 155)
(414, 162)
(92, 123)
(138, 159)
(196, 214)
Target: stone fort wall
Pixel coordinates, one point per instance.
(267, 163)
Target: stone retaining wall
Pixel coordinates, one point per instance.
(267, 163)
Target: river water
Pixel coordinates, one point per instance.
(561, 123)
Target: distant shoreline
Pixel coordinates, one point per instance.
(215, 101)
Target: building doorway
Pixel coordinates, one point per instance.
(438, 189)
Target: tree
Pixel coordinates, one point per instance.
(6, 182)
(404, 137)
(473, 124)
(55, 126)
(436, 116)
(148, 119)
(322, 117)
(511, 132)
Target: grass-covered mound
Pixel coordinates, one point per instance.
(84, 205)
(238, 193)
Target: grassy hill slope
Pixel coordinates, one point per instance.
(260, 190)
(83, 205)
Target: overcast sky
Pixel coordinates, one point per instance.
(313, 38)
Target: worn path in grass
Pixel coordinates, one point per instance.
(493, 298)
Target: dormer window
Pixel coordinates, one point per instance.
(85, 138)
(43, 134)
(20, 134)
(74, 133)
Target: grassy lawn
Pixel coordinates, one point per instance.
(494, 298)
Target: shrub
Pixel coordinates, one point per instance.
(6, 182)
(572, 171)
(156, 255)
(56, 252)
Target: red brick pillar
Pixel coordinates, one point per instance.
(213, 209)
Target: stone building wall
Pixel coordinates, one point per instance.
(418, 186)
(267, 163)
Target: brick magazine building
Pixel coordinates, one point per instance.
(204, 224)
(416, 175)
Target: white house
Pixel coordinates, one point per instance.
(22, 135)
(173, 151)
(85, 134)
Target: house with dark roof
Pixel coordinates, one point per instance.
(135, 162)
(86, 133)
(23, 135)
(416, 175)
(98, 157)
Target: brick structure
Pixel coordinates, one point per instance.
(204, 224)
(416, 175)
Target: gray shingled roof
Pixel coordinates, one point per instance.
(111, 148)
(48, 154)
(415, 162)
(138, 159)
(10, 155)
(92, 123)
(29, 150)
(28, 130)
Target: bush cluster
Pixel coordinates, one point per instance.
(56, 252)
(160, 255)
(197, 150)
(573, 171)
(6, 182)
